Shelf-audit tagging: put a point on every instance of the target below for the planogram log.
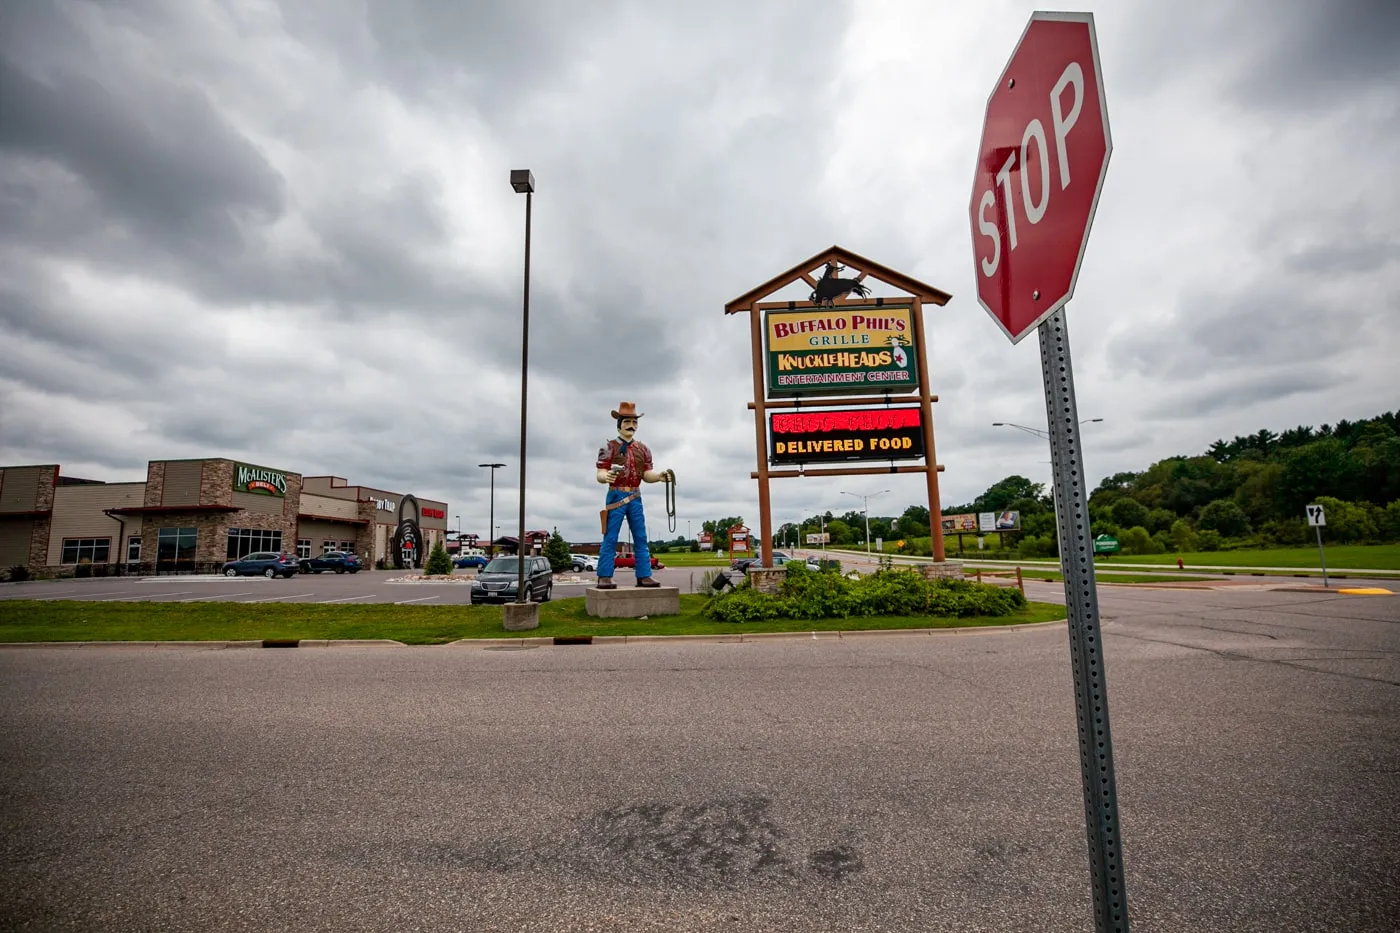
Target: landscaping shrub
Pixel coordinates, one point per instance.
(887, 592)
(19, 573)
(438, 561)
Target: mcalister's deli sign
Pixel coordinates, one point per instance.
(259, 480)
(848, 434)
(846, 350)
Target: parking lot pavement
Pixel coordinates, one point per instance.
(891, 784)
(363, 587)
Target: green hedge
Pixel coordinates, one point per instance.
(807, 594)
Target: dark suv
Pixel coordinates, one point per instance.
(497, 580)
(339, 561)
(263, 563)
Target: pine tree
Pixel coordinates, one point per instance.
(556, 551)
(438, 561)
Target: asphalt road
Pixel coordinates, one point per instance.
(372, 586)
(886, 783)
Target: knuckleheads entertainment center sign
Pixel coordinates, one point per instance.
(259, 480)
(842, 351)
(847, 434)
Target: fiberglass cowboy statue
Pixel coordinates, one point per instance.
(623, 465)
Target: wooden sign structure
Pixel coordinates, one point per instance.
(850, 345)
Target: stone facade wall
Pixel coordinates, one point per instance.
(155, 485)
(947, 570)
(216, 484)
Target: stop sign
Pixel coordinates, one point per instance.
(1044, 154)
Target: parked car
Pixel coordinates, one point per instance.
(630, 560)
(269, 564)
(582, 562)
(470, 560)
(339, 561)
(497, 580)
(779, 558)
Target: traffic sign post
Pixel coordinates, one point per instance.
(1040, 168)
(1317, 517)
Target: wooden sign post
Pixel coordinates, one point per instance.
(834, 350)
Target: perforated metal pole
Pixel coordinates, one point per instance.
(1085, 639)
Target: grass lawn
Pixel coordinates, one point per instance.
(1359, 556)
(1099, 575)
(687, 559)
(60, 621)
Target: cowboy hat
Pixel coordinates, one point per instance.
(626, 410)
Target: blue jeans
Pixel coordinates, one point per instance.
(632, 511)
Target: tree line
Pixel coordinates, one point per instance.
(1249, 491)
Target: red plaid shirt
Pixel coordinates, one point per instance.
(638, 461)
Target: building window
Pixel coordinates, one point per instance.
(133, 549)
(327, 546)
(245, 541)
(86, 550)
(175, 549)
(348, 547)
(303, 547)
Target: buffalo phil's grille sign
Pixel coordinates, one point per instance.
(849, 434)
(259, 479)
(841, 351)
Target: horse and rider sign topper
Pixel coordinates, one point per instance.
(845, 350)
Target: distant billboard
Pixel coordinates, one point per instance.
(823, 538)
(981, 522)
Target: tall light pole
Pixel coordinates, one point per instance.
(491, 523)
(865, 509)
(523, 181)
(1038, 432)
(457, 520)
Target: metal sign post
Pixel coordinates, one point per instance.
(1039, 172)
(1085, 639)
(1317, 517)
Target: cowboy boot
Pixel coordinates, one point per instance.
(605, 583)
(646, 581)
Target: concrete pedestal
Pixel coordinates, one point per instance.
(947, 570)
(632, 602)
(522, 616)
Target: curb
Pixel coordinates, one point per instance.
(544, 641)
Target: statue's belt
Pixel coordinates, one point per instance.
(636, 493)
(603, 515)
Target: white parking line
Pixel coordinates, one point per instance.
(44, 599)
(219, 596)
(145, 596)
(273, 599)
(348, 599)
(421, 599)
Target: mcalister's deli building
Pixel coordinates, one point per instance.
(190, 516)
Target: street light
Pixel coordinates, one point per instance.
(523, 181)
(1038, 432)
(491, 523)
(457, 519)
(865, 509)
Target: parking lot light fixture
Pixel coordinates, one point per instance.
(523, 181)
(491, 523)
(865, 510)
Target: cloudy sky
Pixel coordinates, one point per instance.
(284, 232)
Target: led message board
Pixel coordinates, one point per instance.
(846, 434)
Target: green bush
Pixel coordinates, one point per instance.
(1209, 540)
(887, 592)
(556, 551)
(438, 561)
(19, 573)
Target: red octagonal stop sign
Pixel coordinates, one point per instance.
(1044, 154)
